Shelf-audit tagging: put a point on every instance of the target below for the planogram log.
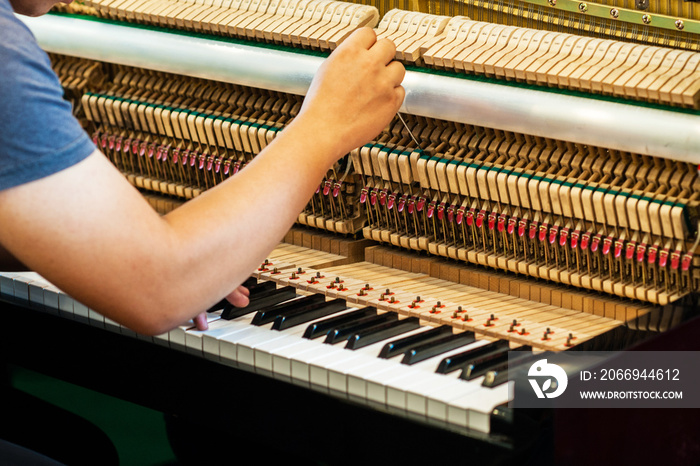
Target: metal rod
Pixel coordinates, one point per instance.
(613, 125)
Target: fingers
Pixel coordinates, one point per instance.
(396, 72)
(400, 96)
(384, 50)
(201, 321)
(362, 37)
(239, 297)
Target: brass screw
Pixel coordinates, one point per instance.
(615, 13)
(679, 25)
(552, 2)
(646, 19)
(582, 7)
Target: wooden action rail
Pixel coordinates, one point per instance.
(554, 59)
(318, 24)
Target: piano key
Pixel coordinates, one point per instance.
(375, 384)
(260, 301)
(474, 412)
(269, 354)
(435, 347)
(333, 371)
(415, 381)
(344, 331)
(404, 344)
(321, 328)
(303, 316)
(251, 284)
(269, 314)
(458, 361)
(479, 365)
(381, 332)
(211, 338)
(240, 346)
(256, 289)
(499, 374)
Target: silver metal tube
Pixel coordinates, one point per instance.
(612, 125)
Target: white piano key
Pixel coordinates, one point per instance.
(36, 293)
(397, 392)
(65, 306)
(80, 312)
(246, 346)
(51, 294)
(301, 362)
(162, 340)
(283, 355)
(177, 336)
(228, 344)
(112, 326)
(366, 358)
(479, 408)
(21, 288)
(217, 330)
(264, 352)
(96, 319)
(7, 283)
(320, 368)
(193, 337)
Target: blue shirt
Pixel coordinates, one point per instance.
(38, 134)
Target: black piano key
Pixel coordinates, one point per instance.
(260, 301)
(321, 328)
(302, 316)
(499, 374)
(402, 345)
(381, 332)
(433, 348)
(220, 305)
(260, 288)
(251, 281)
(458, 361)
(496, 377)
(268, 314)
(345, 331)
(480, 366)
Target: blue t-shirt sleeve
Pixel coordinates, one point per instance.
(38, 134)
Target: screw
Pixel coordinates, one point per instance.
(582, 7)
(679, 25)
(615, 13)
(646, 19)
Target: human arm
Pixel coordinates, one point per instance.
(88, 231)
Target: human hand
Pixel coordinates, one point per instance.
(238, 297)
(355, 94)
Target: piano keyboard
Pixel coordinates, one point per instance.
(415, 391)
(447, 362)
